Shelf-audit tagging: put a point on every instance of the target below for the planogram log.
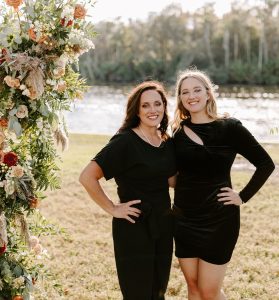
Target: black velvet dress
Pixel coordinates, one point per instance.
(143, 251)
(204, 227)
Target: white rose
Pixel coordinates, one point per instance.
(26, 92)
(9, 187)
(22, 111)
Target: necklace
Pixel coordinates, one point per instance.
(148, 140)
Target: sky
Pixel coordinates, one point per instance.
(138, 9)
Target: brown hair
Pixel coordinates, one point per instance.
(180, 112)
(132, 119)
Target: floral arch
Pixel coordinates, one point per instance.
(37, 83)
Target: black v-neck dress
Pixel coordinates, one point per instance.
(204, 227)
(143, 251)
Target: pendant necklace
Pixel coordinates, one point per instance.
(148, 139)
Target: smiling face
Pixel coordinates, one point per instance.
(194, 96)
(151, 108)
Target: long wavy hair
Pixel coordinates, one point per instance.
(132, 119)
(181, 113)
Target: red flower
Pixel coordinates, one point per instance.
(62, 22)
(10, 159)
(3, 249)
(2, 55)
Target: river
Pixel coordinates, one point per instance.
(103, 108)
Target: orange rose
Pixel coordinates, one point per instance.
(32, 34)
(80, 12)
(18, 297)
(34, 202)
(3, 122)
(14, 3)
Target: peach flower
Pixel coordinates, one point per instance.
(33, 241)
(58, 72)
(17, 171)
(38, 249)
(2, 137)
(12, 82)
(61, 87)
(32, 93)
(14, 3)
(80, 12)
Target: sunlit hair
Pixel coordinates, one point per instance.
(132, 119)
(181, 113)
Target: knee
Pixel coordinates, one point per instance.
(209, 293)
(192, 285)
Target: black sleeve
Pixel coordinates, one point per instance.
(246, 145)
(112, 158)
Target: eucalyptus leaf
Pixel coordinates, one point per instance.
(17, 271)
(13, 112)
(17, 128)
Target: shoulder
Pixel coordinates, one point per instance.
(120, 139)
(228, 123)
(122, 135)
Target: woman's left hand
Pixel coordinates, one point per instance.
(229, 196)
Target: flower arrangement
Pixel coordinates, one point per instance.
(39, 42)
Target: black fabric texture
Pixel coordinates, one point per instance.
(143, 250)
(204, 227)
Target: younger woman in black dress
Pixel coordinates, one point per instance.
(206, 206)
(141, 159)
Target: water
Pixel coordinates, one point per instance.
(103, 109)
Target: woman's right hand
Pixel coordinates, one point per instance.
(125, 210)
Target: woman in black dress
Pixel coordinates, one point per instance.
(206, 207)
(140, 157)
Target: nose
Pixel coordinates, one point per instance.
(191, 95)
(153, 108)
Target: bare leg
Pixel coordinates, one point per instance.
(210, 280)
(189, 267)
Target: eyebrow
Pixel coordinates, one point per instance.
(195, 87)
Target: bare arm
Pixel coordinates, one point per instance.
(89, 178)
(172, 181)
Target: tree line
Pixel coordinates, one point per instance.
(241, 47)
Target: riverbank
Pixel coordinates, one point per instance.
(83, 259)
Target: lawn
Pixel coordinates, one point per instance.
(83, 260)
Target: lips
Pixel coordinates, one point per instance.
(153, 117)
(193, 102)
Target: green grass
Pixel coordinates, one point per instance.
(84, 263)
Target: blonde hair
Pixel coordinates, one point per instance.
(180, 112)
